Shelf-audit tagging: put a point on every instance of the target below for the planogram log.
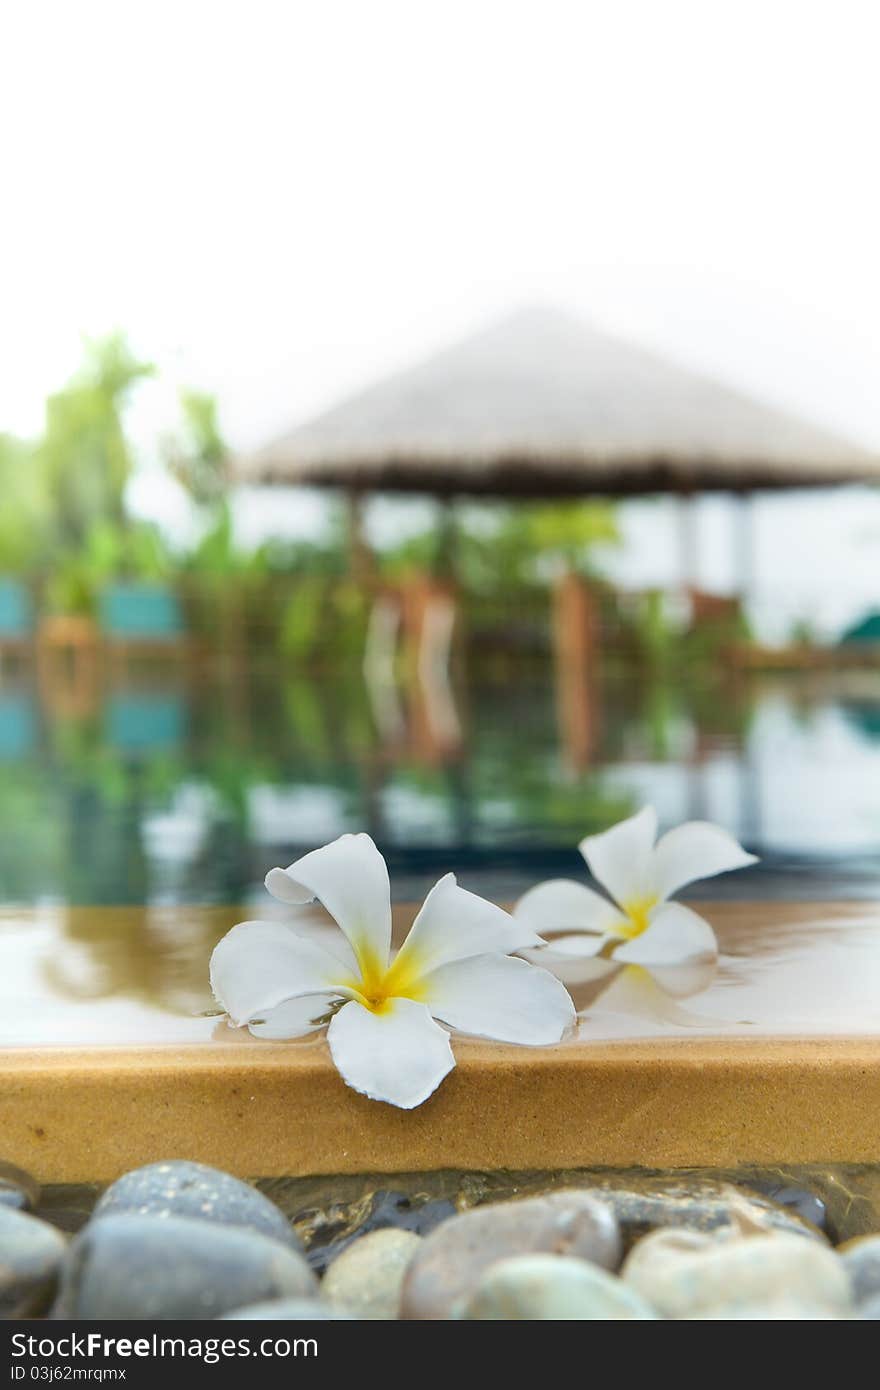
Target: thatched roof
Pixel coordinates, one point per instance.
(541, 404)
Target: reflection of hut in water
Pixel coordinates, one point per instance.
(145, 723)
(543, 406)
(154, 954)
(18, 726)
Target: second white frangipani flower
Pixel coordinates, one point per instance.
(455, 965)
(639, 925)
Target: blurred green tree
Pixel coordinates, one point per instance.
(502, 547)
(24, 518)
(197, 457)
(85, 457)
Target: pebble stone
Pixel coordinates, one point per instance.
(643, 1204)
(131, 1266)
(553, 1287)
(681, 1273)
(861, 1260)
(181, 1188)
(17, 1188)
(288, 1310)
(31, 1253)
(450, 1262)
(367, 1278)
(777, 1310)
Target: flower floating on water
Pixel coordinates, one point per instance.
(455, 965)
(637, 924)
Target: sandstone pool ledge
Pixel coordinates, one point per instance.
(709, 1086)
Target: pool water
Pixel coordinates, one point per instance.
(166, 789)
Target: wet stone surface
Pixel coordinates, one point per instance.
(553, 1288)
(289, 1310)
(367, 1278)
(861, 1260)
(803, 1203)
(450, 1262)
(129, 1266)
(643, 1205)
(179, 1188)
(31, 1253)
(328, 1228)
(179, 1240)
(17, 1188)
(681, 1273)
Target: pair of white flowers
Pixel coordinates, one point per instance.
(457, 965)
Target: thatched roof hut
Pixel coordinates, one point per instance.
(542, 405)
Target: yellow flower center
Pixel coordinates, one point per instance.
(379, 984)
(638, 912)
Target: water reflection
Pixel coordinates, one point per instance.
(140, 975)
(183, 789)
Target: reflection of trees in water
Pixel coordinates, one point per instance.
(864, 716)
(156, 955)
(74, 806)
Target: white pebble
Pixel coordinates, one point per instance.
(683, 1272)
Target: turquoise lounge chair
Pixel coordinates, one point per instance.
(148, 614)
(16, 613)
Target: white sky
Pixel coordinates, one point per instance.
(280, 201)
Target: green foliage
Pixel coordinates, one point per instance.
(302, 621)
(23, 513)
(707, 642)
(566, 530)
(108, 551)
(802, 633)
(198, 458)
(500, 548)
(324, 618)
(84, 456)
(658, 641)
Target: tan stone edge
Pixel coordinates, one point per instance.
(81, 1115)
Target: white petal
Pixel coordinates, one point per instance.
(692, 851)
(500, 997)
(560, 904)
(454, 924)
(295, 1017)
(674, 936)
(350, 878)
(400, 1055)
(258, 965)
(620, 858)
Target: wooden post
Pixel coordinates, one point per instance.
(447, 538)
(744, 503)
(688, 542)
(360, 557)
(429, 620)
(576, 640)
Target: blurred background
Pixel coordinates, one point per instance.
(457, 422)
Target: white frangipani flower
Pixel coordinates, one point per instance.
(455, 965)
(638, 925)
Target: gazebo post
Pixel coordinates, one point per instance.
(447, 538)
(745, 545)
(430, 609)
(688, 541)
(360, 556)
(576, 653)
